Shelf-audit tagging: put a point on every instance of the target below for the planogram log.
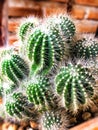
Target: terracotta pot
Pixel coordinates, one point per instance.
(88, 125)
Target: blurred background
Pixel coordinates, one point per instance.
(85, 13)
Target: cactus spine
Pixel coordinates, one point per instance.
(15, 68)
(86, 48)
(75, 84)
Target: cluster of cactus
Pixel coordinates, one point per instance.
(41, 81)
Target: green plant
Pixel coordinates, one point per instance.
(15, 68)
(37, 80)
(76, 85)
(24, 29)
(27, 26)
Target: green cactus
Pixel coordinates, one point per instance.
(75, 84)
(18, 106)
(86, 48)
(24, 28)
(63, 23)
(45, 51)
(54, 120)
(41, 95)
(15, 68)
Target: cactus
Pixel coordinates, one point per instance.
(19, 107)
(45, 51)
(86, 48)
(63, 23)
(75, 84)
(54, 120)
(24, 28)
(41, 95)
(15, 68)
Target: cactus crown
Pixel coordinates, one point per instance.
(15, 68)
(75, 84)
(86, 49)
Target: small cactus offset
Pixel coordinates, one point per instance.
(86, 48)
(26, 27)
(15, 68)
(41, 95)
(54, 120)
(19, 107)
(46, 51)
(75, 84)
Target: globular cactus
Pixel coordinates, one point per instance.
(15, 68)
(76, 85)
(18, 107)
(65, 25)
(41, 95)
(26, 26)
(54, 120)
(86, 48)
(46, 51)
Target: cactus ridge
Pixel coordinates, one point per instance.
(40, 94)
(24, 28)
(45, 51)
(18, 106)
(75, 84)
(15, 68)
(86, 48)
